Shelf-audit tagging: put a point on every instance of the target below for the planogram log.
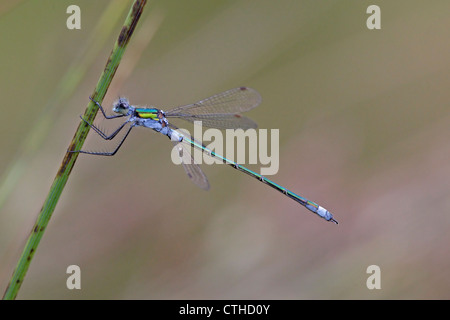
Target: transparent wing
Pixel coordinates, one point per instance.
(221, 110)
(193, 170)
(226, 121)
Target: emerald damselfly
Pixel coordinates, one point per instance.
(220, 111)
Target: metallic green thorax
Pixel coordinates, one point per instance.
(147, 113)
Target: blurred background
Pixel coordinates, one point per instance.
(364, 119)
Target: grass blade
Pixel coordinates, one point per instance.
(76, 144)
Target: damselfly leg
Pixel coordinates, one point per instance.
(103, 110)
(104, 135)
(101, 133)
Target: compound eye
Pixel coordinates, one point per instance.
(121, 106)
(123, 103)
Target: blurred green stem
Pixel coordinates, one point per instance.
(70, 158)
(74, 75)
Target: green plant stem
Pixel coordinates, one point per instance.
(76, 144)
(75, 74)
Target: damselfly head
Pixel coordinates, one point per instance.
(121, 106)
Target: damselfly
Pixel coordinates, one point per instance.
(220, 111)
